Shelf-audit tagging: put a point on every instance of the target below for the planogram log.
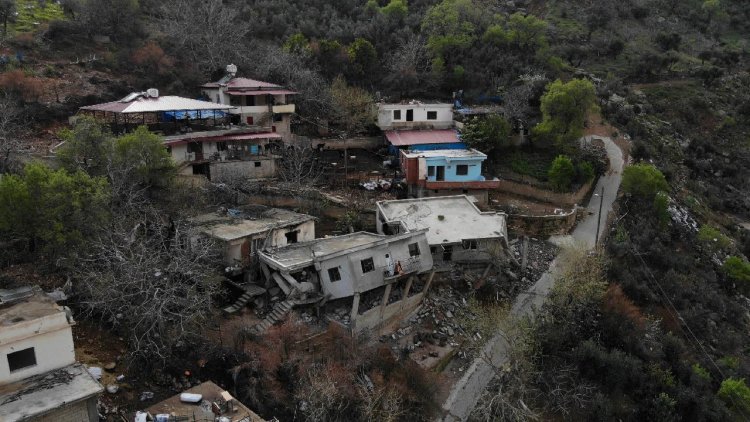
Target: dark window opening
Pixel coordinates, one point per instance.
(440, 173)
(334, 274)
(433, 250)
(235, 101)
(257, 164)
(409, 115)
(462, 170)
(221, 146)
(431, 171)
(278, 117)
(291, 237)
(470, 244)
(447, 253)
(432, 115)
(21, 359)
(413, 249)
(465, 191)
(368, 265)
(396, 114)
(250, 100)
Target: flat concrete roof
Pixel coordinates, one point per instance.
(447, 153)
(36, 306)
(413, 104)
(301, 255)
(200, 412)
(37, 395)
(247, 220)
(450, 219)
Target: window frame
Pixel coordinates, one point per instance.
(367, 265)
(431, 114)
(414, 249)
(21, 359)
(331, 272)
(462, 169)
(397, 115)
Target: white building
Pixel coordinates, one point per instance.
(254, 102)
(39, 377)
(459, 232)
(244, 231)
(415, 115)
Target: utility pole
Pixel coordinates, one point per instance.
(599, 217)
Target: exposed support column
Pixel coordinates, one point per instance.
(383, 304)
(429, 283)
(407, 288)
(355, 311)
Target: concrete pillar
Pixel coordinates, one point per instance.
(355, 309)
(407, 288)
(383, 304)
(429, 283)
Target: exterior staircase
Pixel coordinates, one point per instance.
(279, 311)
(251, 291)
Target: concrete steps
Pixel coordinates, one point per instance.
(279, 311)
(250, 292)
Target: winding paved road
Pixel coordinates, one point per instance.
(466, 392)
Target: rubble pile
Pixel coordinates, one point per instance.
(438, 321)
(538, 259)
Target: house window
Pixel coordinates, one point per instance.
(396, 114)
(432, 115)
(250, 100)
(257, 164)
(221, 146)
(368, 265)
(470, 244)
(291, 237)
(433, 250)
(430, 171)
(278, 117)
(21, 359)
(462, 170)
(235, 101)
(448, 253)
(334, 274)
(413, 249)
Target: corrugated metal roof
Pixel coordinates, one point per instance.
(148, 105)
(421, 137)
(264, 92)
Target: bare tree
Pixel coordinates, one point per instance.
(516, 101)
(409, 65)
(10, 131)
(298, 167)
(147, 276)
(205, 32)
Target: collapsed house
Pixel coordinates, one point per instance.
(40, 379)
(242, 232)
(458, 231)
(352, 266)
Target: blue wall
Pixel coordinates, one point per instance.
(474, 170)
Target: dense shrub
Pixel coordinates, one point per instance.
(643, 181)
(561, 173)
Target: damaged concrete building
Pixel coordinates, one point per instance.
(458, 231)
(244, 231)
(350, 267)
(40, 379)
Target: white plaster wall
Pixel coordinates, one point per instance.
(179, 153)
(306, 232)
(244, 168)
(53, 349)
(444, 116)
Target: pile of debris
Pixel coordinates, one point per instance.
(539, 256)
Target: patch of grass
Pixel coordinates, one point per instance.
(31, 15)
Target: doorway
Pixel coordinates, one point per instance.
(440, 173)
(409, 115)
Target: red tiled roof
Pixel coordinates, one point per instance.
(420, 137)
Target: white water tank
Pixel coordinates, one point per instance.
(152, 92)
(232, 69)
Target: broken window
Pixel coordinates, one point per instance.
(470, 244)
(334, 274)
(447, 253)
(291, 237)
(21, 359)
(396, 114)
(368, 265)
(414, 249)
(432, 115)
(462, 170)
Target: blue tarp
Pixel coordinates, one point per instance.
(170, 116)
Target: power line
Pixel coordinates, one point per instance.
(693, 338)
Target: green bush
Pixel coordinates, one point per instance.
(643, 180)
(661, 206)
(735, 394)
(561, 173)
(713, 238)
(585, 172)
(737, 269)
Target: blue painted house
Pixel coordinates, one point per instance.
(446, 172)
